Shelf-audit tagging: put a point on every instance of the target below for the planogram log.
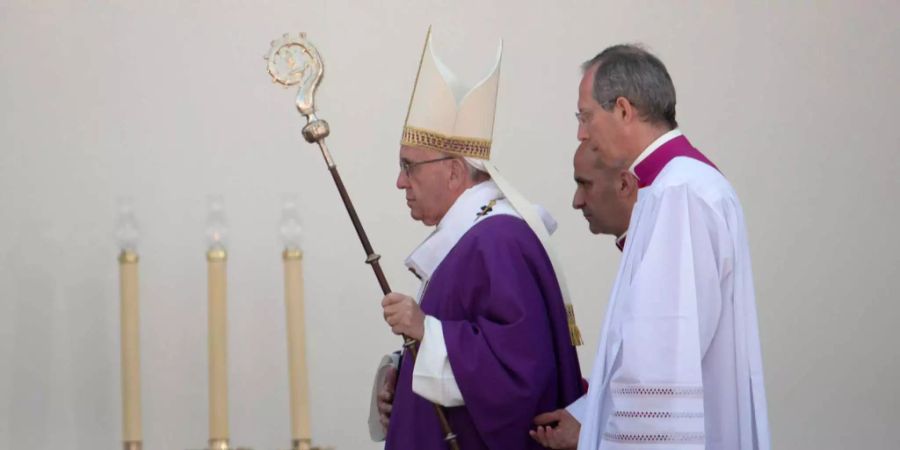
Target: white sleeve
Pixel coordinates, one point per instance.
(432, 375)
(376, 431)
(657, 389)
(577, 408)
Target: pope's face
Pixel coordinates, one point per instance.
(598, 127)
(427, 186)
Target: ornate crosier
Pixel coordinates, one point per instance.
(293, 60)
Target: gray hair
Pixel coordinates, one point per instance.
(630, 71)
(476, 173)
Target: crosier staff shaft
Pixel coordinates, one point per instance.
(293, 60)
(315, 131)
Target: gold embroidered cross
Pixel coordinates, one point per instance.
(486, 209)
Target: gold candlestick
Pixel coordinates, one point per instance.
(127, 236)
(293, 296)
(216, 258)
(217, 321)
(291, 235)
(222, 444)
(131, 359)
(306, 444)
(299, 376)
(218, 342)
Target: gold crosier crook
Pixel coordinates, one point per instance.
(294, 60)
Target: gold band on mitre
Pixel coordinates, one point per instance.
(461, 146)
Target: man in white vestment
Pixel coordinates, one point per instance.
(679, 363)
(606, 196)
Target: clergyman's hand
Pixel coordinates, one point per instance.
(386, 397)
(564, 435)
(404, 316)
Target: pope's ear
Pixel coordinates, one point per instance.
(459, 171)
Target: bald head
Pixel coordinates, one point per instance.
(605, 194)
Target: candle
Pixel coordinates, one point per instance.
(216, 257)
(126, 235)
(293, 296)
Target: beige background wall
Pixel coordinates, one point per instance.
(168, 102)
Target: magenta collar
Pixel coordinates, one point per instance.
(653, 164)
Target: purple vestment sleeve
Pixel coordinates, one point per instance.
(507, 339)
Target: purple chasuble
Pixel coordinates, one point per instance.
(507, 338)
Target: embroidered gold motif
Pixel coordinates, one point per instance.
(462, 146)
(486, 209)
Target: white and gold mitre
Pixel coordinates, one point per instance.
(448, 116)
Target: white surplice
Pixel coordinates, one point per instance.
(679, 364)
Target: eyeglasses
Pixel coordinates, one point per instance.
(407, 167)
(585, 116)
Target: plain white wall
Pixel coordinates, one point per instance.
(169, 101)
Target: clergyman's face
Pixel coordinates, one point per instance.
(597, 126)
(596, 194)
(427, 186)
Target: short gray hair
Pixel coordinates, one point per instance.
(476, 174)
(630, 71)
